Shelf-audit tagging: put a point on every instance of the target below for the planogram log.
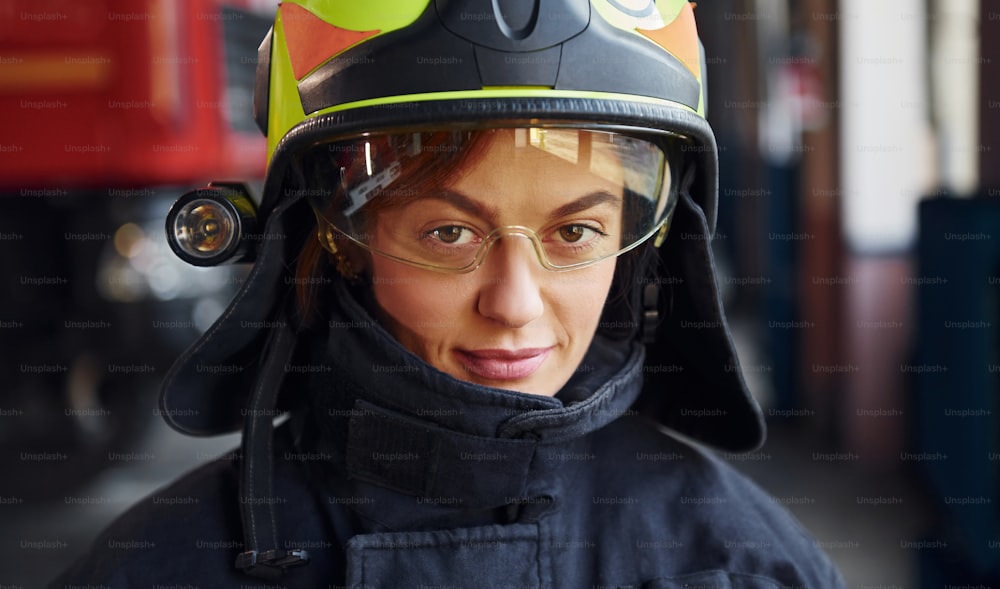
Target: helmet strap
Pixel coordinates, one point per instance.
(263, 557)
(650, 312)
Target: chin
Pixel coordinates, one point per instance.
(540, 387)
(528, 389)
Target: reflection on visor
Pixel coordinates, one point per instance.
(441, 199)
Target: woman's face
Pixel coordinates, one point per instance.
(511, 323)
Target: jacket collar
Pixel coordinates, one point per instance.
(392, 420)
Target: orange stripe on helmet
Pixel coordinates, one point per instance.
(680, 38)
(312, 41)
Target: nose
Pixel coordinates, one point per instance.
(510, 293)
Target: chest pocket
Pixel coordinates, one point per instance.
(490, 556)
(713, 580)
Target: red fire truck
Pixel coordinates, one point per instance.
(111, 109)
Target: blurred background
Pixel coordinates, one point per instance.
(856, 249)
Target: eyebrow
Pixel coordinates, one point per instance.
(588, 201)
(471, 206)
(464, 203)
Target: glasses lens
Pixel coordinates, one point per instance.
(441, 199)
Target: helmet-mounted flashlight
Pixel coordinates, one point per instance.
(210, 226)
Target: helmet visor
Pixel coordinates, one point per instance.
(442, 199)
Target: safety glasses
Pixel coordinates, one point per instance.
(441, 199)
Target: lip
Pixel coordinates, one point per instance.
(499, 364)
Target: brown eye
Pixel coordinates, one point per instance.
(572, 233)
(449, 234)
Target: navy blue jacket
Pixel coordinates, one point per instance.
(392, 474)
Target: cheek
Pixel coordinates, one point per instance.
(430, 307)
(424, 305)
(578, 300)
